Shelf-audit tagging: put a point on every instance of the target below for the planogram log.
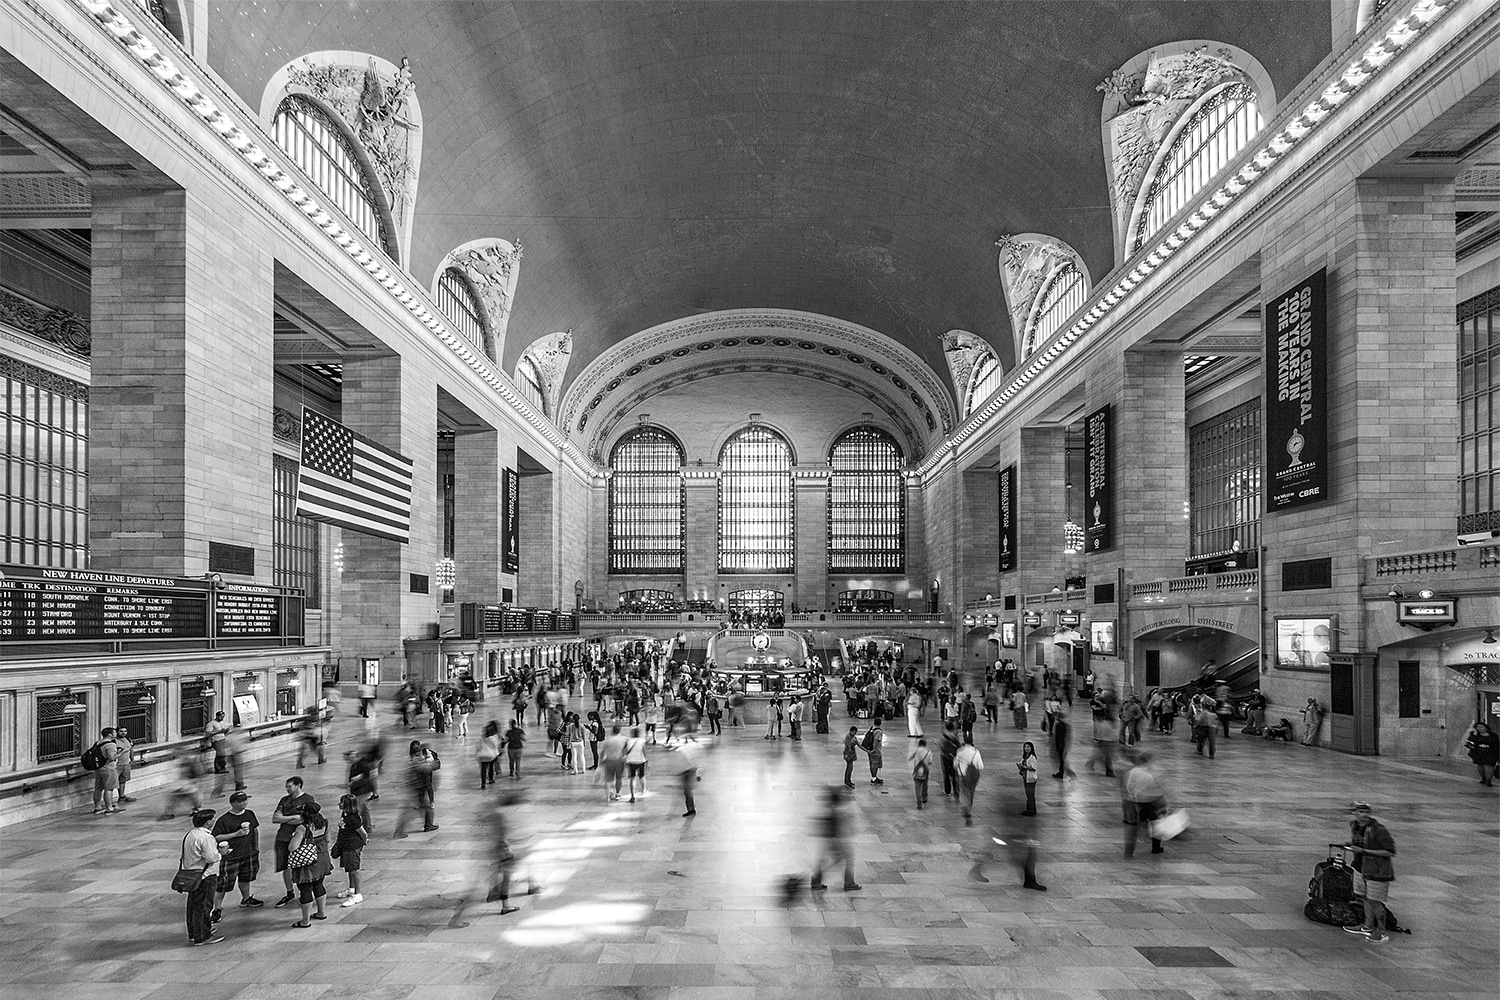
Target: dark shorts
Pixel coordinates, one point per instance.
(283, 850)
(242, 871)
(349, 859)
(637, 771)
(308, 891)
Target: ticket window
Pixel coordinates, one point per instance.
(369, 671)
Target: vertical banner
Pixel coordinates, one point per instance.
(1296, 395)
(510, 520)
(1099, 475)
(1008, 511)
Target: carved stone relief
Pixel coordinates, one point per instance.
(550, 355)
(1026, 264)
(493, 267)
(58, 327)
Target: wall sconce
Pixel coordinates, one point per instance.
(73, 707)
(1395, 594)
(991, 621)
(147, 698)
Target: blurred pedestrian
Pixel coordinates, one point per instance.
(422, 765)
(920, 760)
(947, 750)
(635, 761)
(1144, 789)
(690, 775)
(515, 739)
(487, 752)
(969, 766)
(494, 879)
(834, 845)
(612, 752)
(1483, 746)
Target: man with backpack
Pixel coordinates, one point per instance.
(102, 758)
(874, 745)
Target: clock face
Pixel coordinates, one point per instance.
(761, 641)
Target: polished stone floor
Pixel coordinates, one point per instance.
(642, 903)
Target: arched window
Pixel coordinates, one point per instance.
(866, 504)
(646, 503)
(456, 298)
(755, 503)
(1215, 131)
(985, 380)
(1063, 296)
(529, 381)
(320, 145)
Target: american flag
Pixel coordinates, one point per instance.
(353, 483)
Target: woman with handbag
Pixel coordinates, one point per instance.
(1027, 766)
(310, 863)
(197, 875)
(487, 753)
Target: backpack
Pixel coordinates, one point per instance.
(93, 757)
(868, 742)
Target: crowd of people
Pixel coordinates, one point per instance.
(644, 706)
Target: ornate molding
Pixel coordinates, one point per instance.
(57, 327)
(822, 373)
(550, 355)
(1028, 266)
(286, 426)
(493, 266)
(43, 379)
(766, 331)
(963, 351)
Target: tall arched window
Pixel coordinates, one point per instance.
(866, 504)
(456, 298)
(646, 503)
(1215, 131)
(320, 145)
(1063, 296)
(529, 381)
(755, 503)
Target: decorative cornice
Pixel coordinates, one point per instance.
(811, 370)
(42, 379)
(1287, 132)
(765, 330)
(57, 327)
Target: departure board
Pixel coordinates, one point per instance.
(42, 605)
(82, 605)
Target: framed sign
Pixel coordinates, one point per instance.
(1008, 520)
(1102, 638)
(1008, 635)
(510, 521)
(1099, 473)
(1305, 643)
(1031, 619)
(1068, 619)
(1297, 395)
(1427, 614)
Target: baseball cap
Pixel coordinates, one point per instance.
(1357, 806)
(239, 797)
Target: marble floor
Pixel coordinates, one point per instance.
(642, 903)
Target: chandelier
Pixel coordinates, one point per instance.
(1072, 537)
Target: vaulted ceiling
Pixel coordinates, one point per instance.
(664, 161)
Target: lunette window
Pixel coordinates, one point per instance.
(456, 298)
(529, 381)
(322, 148)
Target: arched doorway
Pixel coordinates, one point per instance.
(1189, 655)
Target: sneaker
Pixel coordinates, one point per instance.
(252, 901)
(1356, 929)
(1378, 938)
(215, 916)
(853, 887)
(353, 899)
(285, 899)
(345, 894)
(819, 887)
(216, 939)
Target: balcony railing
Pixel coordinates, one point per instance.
(1464, 559)
(1224, 584)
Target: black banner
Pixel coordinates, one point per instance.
(1099, 476)
(1008, 518)
(510, 521)
(1296, 395)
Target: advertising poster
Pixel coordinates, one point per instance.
(1297, 396)
(510, 520)
(1304, 643)
(1008, 635)
(1102, 638)
(1099, 476)
(1008, 522)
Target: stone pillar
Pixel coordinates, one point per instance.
(702, 515)
(979, 554)
(536, 583)
(1042, 495)
(478, 545)
(1388, 244)
(393, 404)
(181, 399)
(917, 578)
(810, 513)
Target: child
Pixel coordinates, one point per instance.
(352, 839)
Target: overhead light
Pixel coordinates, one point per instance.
(1425, 595)
(146, 698)
(79, 708)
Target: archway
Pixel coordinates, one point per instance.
(1191, 656)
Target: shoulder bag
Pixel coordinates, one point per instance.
(186, 879)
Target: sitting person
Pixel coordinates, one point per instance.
(1282, 731)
